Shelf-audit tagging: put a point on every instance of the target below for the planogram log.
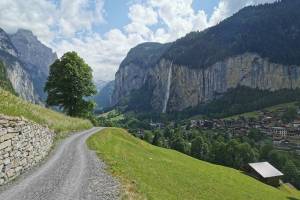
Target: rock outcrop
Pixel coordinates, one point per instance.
(132, 72)
(20, 80)
(16, 73)
(190, 87)
(23, 144)
(6, 44)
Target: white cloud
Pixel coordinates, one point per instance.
(102, 53)
(49, 20)
(77, 15)
(68, 25)
(226, 8)
(35, 15)
(142, 15)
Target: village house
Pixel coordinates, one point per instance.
(296, 124)
(197, 123)
(193, 123)
(293, 133)
(265, 172)
(278, 133)
(156, 125)
(208, 124)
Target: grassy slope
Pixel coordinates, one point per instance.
(290, 190)
(255, 114)
(117, 116)
(166, 174)
(14, 106)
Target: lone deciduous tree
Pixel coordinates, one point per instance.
(69, 84)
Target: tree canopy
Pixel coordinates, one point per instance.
(69, 84)
(270, 30)
(4, 81)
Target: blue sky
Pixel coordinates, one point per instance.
(103, 31)
(116, 12)
(207, 5)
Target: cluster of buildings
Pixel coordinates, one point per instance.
(284, 135)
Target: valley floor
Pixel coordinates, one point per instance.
(72, 173)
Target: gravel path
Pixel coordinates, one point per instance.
(72, 173)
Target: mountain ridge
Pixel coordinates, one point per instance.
(27, 63)
(36, 56)
(204, 65)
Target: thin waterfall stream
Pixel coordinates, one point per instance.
(167, 95)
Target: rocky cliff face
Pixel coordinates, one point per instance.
(27, 63)
(21, 81)
(6, 44)
(17, 75)
(132, 72)
(191, 87)
(32, 51)
(36, 56)
(176, 87)
(103, 98)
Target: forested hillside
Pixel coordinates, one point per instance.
(271, 30)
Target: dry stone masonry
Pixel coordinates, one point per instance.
(23, 144)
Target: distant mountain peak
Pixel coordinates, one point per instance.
(25, 32)
(36, 56)
(6, 44)
(33, 51)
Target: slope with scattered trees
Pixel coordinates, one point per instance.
(271, 30)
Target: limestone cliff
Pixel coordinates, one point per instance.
(132, 72)
(190, 87)
(19, 78)
(21, 81)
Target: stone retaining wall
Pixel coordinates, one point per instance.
(23, 144)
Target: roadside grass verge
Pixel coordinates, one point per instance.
(150, 172)
(14, 106)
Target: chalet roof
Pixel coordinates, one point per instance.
(265, 169)
(279, 128)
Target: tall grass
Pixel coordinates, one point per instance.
(60, 123)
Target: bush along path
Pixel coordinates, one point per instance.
(73, 172)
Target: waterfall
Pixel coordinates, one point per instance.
(167, 95)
